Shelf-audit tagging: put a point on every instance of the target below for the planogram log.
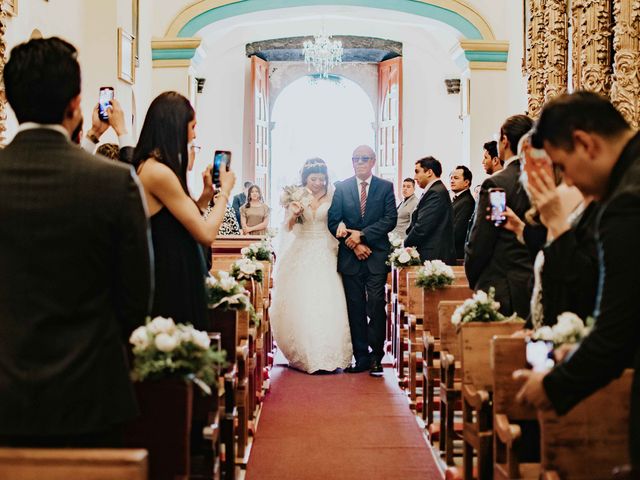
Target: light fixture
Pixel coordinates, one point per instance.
(322, 54)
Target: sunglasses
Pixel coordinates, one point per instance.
(360, 159)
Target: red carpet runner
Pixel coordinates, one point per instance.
(341, 426)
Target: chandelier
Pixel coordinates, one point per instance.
(323, 53)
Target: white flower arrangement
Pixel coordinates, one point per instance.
(569, 329)
(395, 240)
(163, 349)
(224, 291)
(247, 269)
(296, 194)
(262, 251)
(435, 274)
(480, 308)
(404, 257)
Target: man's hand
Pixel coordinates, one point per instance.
(116, 118)
(342, 231)
(532, 392)
(354, 239)
(98, 126)
(362, 251)
(512, 222)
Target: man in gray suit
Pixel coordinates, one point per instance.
(406, 207)
(75, 265)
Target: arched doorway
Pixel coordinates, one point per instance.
(317, 118)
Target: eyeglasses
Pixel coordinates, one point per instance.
(195, 148)
(364, 159)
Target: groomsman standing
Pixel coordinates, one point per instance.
(406, 207)
(463, 206)
(431, 229)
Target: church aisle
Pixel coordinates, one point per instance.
(338, 426)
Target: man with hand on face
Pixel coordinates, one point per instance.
(362, 214)
(406, 207)
(431, 229)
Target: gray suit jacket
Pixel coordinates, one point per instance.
(75, 281)
(405, 209)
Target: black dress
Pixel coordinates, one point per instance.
(180, 272)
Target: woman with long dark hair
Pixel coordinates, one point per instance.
(162, 158)
(254, 215)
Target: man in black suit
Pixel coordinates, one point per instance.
(75, 263)
(365, 204)
(240, 199)
(599, 153)
(431, 229)
(493, 256)
(463, 206)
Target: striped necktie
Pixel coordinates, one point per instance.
(363, 198)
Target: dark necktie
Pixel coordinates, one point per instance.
(363, 198)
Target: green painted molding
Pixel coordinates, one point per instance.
(173, 53)
(486, 56)
(415, 7)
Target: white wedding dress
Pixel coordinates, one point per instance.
(309, 311)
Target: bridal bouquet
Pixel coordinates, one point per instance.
(404, 257)
(247, 269)
(298, 195)
(225, 292)
(435, 274)
(569, 329)
(163, 349)
(480, 308)
(261, 251)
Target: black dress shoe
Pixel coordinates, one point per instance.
(357, 368)
(376, 370)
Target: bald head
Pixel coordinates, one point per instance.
(364, 159)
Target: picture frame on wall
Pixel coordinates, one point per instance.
(11, 7)
(126, 56)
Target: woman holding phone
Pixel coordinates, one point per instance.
(254, 215)
(162, 158)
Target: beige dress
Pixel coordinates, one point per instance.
(252, 216)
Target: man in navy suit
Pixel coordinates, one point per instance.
(365, 204)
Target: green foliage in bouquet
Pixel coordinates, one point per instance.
(261, 251)
(435, 274)
(247, 269)
(480, 308)
(163, 349)
(223, 291)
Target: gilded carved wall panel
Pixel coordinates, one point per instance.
(625, 88)
(557, 40)
(536, 55)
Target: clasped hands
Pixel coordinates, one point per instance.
(353, 241)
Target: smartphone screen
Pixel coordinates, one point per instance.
(104, 102)
(220, 158)
(540, 355)
(498, 202)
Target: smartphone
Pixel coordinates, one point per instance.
(540, 355)
(104, 102)
(498, 202)
(220, 158)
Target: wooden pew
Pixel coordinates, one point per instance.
(508, 354)
(591, 439)
(477, 385)
(66, 464)
(401, 323)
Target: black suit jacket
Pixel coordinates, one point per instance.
(75, 281)
(463, 207)
(614, 342)
(431, 229)
(493, 255)
(238, 201)
(379, 219)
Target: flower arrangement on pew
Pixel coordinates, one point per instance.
(224, 291)
(404, 257)
(394, 240)
(261, 251)
(247, 269)
(569, 329)
(298, 195)
(482, 307)
(435, 274)
(164, 349)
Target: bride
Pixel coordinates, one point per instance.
(309, 311)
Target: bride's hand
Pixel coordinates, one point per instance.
(342, 231)
(296, 208)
